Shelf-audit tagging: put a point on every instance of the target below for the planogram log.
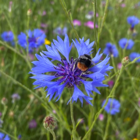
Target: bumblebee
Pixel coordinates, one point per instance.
(83, 62)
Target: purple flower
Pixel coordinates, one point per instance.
(32, 124)
(123, 5)
(89, 15)
(101, 117)
(111, 49)
(112, 107)
(119, 65)
(15, 97)
(76, 22)
(7, 36)
(66, 74)
(110, 83)
(43, 25)
(132, 20)
(90, 24)
(125, 43)
(61, 31)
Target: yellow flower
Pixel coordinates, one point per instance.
(135, 139)
(47, 42)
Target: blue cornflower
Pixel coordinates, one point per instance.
(134, 55)
(66, 74)
(111, 49)
(4, 137)
(33, 40)
(7, 36)
(132, 20)
(112, 107)
(125, 43)
(61, 31)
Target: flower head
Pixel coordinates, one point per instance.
(135, 139)
(61, 31)
(4, 137)
(76, 22)
(47, 42)
(7, 36)
(134, 55)
(101, 117)
(111, 49)
(15, 97)
(66, 72)
(119, 65)
(89, 15)
(110, 83)
(112, 107)
(32, 124)
(132, 20)
(49, 122)
(32, 40)
(125, 43)
(90, 24)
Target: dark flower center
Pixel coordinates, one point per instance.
(69, 73)
(32, 39)
(110, 49)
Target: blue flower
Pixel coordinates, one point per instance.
(132, 20)
(66, 74)
(4, 137)
(112, 107)
(111, 49)
(134, 55)
(7, 36)
(125, 43)
(33, 40)
(61, 31)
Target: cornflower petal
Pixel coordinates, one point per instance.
(63, 46)
(78, 94)
(82, 48)
(52, 52)
(97, 57)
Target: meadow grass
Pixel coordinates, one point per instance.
(23, 116)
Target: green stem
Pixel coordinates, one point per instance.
(52, 132)
(72, 119)
(63, 4)
(103, 21)
(4, 111)
(107, 127)
(99, 112)
(112, 59)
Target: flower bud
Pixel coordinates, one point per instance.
(11, 114)
(49, 122)
(125, 60)
(4, 101)
(29, 12)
